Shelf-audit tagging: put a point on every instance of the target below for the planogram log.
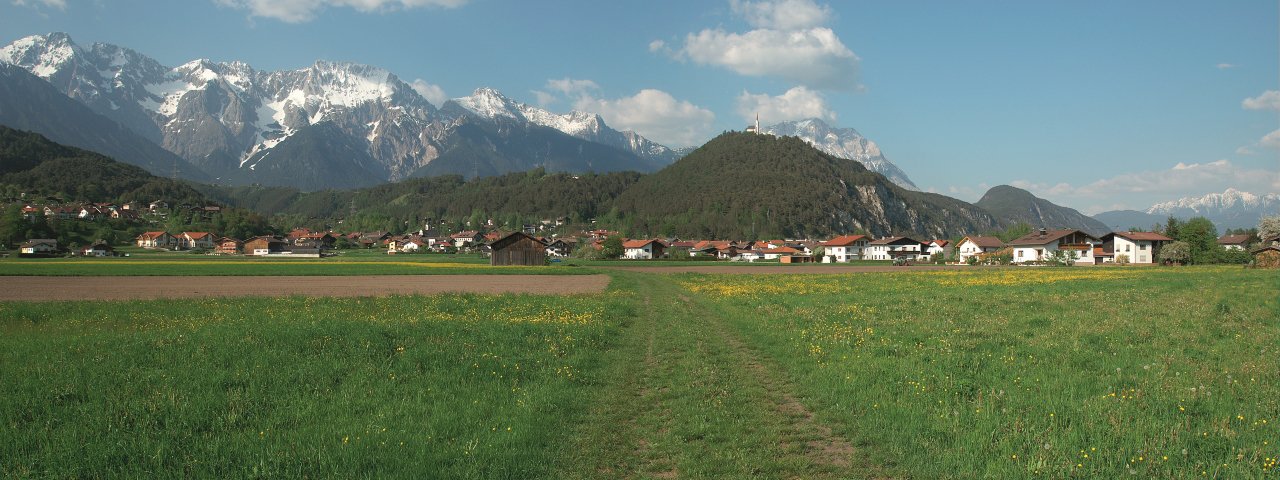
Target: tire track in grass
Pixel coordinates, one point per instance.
(685, 397)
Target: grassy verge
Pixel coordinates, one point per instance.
(456, 386)
(1097, 373)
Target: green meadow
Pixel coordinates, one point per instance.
(1000, 373)
(183, 264)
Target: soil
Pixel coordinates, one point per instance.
(37, 288)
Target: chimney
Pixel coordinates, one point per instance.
(1043, 231)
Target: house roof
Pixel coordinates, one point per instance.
(1233, 239)
(465, 234)
(843, 240)
(511, 238)
(196, 235)
(984, 242)
(39, 241)
(941, 243)
(640, 243)
(151, 235)
(782, 250)
(1049, 236)
(1149, 236)
(895, 241)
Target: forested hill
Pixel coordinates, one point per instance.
(736, 186)
(741, 185)
(32, 164)
(511, 199)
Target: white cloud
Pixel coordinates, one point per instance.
(433, 93)
(1271, 140)
(58, 4)
(1224, 66)
(657, 46)
(782, 14)
(1269, 100)
(298, 11)
(813, 57)
(654, 114)
(788, 42)
(572, 87)
(543, 98)
(1245, 151)
(796, 104)
(1160, 185)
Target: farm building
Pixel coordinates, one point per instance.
(518, 248)
(264, 245)
(1267, 257)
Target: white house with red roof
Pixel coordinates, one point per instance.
(196, 240)
(893, 248)
(844, 248)
(642, 249)
(156, 240)
(937, 248)
(974, 245)
(1138, 247)
(1039, 246)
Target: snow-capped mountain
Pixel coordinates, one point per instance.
(1230, 209)
(842, 143)
(246, 126)
(491, 104)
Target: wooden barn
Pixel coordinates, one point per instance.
(518, 248)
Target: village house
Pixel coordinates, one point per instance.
(562, 247)
(1039, 245)
(1138, 247)
(844, 248)
(466, 239)
(893, 248)
(228, 246)
(518, 248)
(39, 247)
(776, 252)
(195, 240)
(643, 249)
(1234, 242)
(937, 248)
(98, 249)
(156, 240)
(974, 245)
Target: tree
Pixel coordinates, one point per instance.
(12, 225)
(611, 248)
(1171, 227)
(1269, 227)
(1178, 252)
(1201, 237)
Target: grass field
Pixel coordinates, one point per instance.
(1001, 373)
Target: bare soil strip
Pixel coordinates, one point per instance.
(39, 288)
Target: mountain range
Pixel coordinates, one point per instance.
(1229, 209)
(342, 125)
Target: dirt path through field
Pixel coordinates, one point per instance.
(687, 397)
(137, 288)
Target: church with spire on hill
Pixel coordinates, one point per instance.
(754, 128)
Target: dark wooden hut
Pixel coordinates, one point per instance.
(518, 248)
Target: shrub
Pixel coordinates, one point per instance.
(1122, 259)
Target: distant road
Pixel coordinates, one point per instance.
(137, 288)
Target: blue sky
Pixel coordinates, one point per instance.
(1095, 105)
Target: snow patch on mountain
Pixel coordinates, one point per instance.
(843, 143)
(1229, 209)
